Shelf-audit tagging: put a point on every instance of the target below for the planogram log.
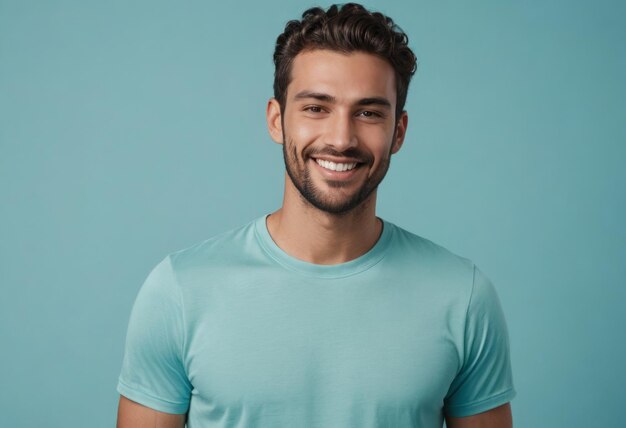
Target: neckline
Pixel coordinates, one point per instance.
(340, 270)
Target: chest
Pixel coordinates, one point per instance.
(293, 346)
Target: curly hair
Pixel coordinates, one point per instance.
(347, 28)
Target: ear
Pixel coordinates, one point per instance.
(400, 132)
(274, 120)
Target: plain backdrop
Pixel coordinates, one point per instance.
(131, 129)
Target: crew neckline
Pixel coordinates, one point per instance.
(340, 270)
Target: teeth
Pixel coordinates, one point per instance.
(335, 166)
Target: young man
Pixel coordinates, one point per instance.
(322, 314)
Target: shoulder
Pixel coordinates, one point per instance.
(215, 250)
(214, 259)
(433, 267)
(430, 259)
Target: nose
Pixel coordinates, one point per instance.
(340, 132)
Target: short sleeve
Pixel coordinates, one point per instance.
(485, 380)
(153, 372)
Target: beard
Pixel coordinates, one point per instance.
(299, 172)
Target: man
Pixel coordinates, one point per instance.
(321, 314)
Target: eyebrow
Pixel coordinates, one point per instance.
(315, 95)
(320, 96)
(383, 102)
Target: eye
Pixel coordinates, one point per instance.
(313, 109)
(370, 114)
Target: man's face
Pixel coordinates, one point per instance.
(338, 127)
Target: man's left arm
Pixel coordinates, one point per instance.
(480, 394)
(500, 417)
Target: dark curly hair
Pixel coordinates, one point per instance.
(347, 28)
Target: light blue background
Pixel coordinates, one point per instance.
(132, 129)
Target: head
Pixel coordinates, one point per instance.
(346, 28)
(340, 87)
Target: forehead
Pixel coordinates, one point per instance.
(346, 76)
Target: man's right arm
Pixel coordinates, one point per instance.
(134, 415)
(153, 372)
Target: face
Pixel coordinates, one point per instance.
(338, 128)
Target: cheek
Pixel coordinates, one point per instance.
(304, 132)
(377, 142)
(298, 128)
(301, 139)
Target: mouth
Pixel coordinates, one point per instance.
(336, 166)
(337, 170)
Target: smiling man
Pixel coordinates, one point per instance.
(331, 90)
(322, 314)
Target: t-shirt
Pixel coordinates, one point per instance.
(238, 333)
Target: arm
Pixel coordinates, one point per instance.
(153, 384)
(500, 417)
(134, 415)
(480, 394)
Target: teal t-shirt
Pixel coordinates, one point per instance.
(238, 333)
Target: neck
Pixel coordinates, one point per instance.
(309, 234)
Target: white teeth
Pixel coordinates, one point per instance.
(335, 166)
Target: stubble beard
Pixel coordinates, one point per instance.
(300, 175)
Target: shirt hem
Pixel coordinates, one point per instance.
(482, 405)
(151, 401)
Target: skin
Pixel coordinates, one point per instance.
(336, 121)
(134, 415)
(500, 417)
(339, 107)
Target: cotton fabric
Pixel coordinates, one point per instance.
(238, 333)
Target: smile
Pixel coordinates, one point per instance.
(332, 166)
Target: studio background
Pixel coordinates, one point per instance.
(129, 130)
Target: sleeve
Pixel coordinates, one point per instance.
(153, 372)
(485, 380)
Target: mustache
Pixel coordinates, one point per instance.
(349, 153)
